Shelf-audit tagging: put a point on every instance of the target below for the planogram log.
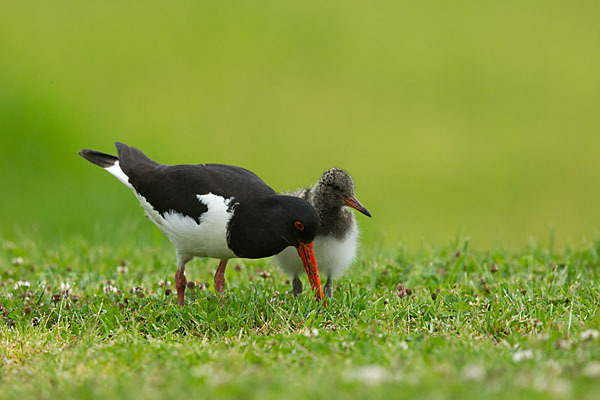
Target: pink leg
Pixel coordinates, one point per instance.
(180, 283)
(220, 277)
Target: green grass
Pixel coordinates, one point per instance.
(481, 117)
(474, 323)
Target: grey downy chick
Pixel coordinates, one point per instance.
(337, 238)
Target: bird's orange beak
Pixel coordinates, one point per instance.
(353, 202)
(307, 254)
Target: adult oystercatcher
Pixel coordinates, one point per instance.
(215, 210)
(337, 237)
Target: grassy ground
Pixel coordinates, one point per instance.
(467, 115)
(443, 322)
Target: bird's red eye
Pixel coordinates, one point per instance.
(299, 225)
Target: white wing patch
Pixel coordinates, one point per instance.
(208, 238)
(205, 238)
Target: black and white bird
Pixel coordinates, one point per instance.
(337, 237)
(215, 210)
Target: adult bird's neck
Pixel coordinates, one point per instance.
(253, 230)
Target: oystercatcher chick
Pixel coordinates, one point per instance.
(337, 237)
(215, 210)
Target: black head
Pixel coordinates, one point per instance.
(336, 189)
(266, 226)
(300, 220)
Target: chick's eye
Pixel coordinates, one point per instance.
(299, 225)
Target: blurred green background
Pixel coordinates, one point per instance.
(465, 116)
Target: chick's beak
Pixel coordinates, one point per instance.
(353, 202)
(307, 254)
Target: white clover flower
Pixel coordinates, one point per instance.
(108, 289)
(473, 372)
(592, 370)
(522, 355)
(590, 334)
(17, 261)
(368, 374)
(20, 284)
(310, 333)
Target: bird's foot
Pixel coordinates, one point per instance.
(296, 286)
(180, 284)
(328, 288)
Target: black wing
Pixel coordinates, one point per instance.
(175, 187)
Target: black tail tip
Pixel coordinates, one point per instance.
(101, 159)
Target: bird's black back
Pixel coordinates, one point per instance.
(175, 187)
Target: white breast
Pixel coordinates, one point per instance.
(206, 239)
(334, 256)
